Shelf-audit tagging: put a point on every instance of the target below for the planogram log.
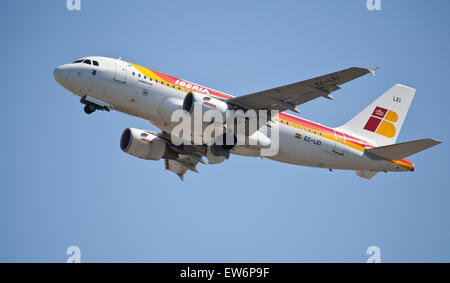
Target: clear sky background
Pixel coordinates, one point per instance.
(64, 180)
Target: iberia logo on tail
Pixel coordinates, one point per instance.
(382, 122)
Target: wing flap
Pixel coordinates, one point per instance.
(184, 163)
(175, 167)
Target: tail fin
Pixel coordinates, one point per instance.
(381, 121)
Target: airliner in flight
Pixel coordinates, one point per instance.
(366, 144)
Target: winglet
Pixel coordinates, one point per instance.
(373, 70)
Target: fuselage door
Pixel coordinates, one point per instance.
(339, 144)
(121, 71)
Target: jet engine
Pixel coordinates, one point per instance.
(142, 144)
(219, 152)
(207, 103)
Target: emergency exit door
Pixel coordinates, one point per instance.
(339, 145)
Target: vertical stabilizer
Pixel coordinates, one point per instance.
(381, 121)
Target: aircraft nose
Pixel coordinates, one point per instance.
(60, 75)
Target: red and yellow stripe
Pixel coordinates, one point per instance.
(327, 133)
(177, 83)
(332, 135)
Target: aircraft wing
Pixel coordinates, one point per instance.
(183, 158)
(288, 96)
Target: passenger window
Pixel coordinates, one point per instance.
(145, 77)
(139, 75)
(134, 73)
(87, 61)
(179, 88)
(168, 84)
(156, 81)
(95, 63)
(162, 82)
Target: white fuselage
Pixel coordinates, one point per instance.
(128, 89)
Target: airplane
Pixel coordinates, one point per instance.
(365, 144)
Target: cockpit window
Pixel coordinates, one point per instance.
(87, 61)
(95, 63)
(78, 61)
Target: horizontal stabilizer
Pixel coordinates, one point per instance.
(401, 150)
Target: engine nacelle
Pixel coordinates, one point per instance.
(142, 144)
(218, 153)
(207, 103)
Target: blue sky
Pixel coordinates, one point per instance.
(66, 182)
